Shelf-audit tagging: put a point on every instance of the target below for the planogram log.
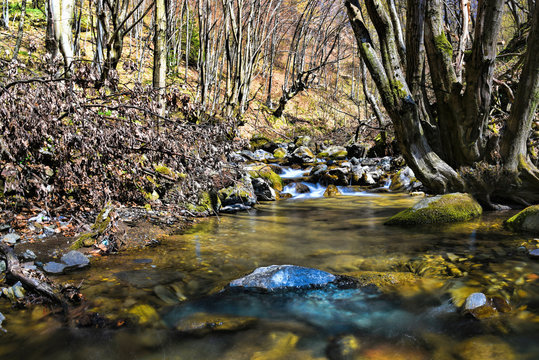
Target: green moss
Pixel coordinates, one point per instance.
(257, 141)
(332, 190)
(399, 90)
(439, 209)
(162, 169)
(279, 153)
(267, 173)
(523, 220)
(443, 44)
(101, 225)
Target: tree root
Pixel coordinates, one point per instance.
(31, 279)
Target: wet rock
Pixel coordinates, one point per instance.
(367, 179)
(3, 266)
(302, 155)
(234, 208)
(261, 155)
(235, 158)
(266, 172)
(202, 323)
(75, 259)
(485, 347)
(333, 152)
(263, 190)
(54, 268)
(277, 277)
(29, 255)
(331, 190)
(345, 347)
(339, 176)
(258, 141)
(526, 220)
(302, 188)
(208, 202)
(144, 314)
(534, 254)
(99, 229)
(169, 294)
(11, 238)
(317, 172)
(479, 306)
(385, 281)
(404, 180)
(240, 193)
(439, 209)
(2, 318)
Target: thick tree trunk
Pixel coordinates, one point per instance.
(436, 174)
(62, 16)
(514, 144)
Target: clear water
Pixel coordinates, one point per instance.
(415, 319)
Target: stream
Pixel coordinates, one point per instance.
(172, 297)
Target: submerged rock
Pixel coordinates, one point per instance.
(277, 277)
(439, 209)
(485, 347)
(478, 305)
(204, 323)
(29, 255)
(526, 220)
(54, 268)
(15, 292)
(234, 208)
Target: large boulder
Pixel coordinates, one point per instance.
(439, 209)
(278, 277)
(526, 220)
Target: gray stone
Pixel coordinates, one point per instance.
(534, 254)
(75, 259)
(54, 268)
(475, 301)
(2, 318)
(302, 155)
(3, 266)
(29, 255)
(11, 238)
(277, 277)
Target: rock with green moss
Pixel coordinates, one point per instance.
(258, 141)
(279, 153)
(404, 180)
(526, 220)
(267, 173)
(334, 152)
(303, 141)
(102, 224)
(240, 193)
(439, 209)
(207, 203)
(331, 190)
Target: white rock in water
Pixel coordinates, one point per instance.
(475, 300)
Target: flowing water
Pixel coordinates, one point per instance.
(175, 290)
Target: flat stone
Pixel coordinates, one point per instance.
(11, 238)
(534, 254)
(29, 255)
(75, 259)
(54, 267)
(277, 277)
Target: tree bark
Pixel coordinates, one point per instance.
(21, 30)
(62, 17)
(514, 143)
(160, 53)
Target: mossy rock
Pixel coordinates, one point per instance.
(526, 220)
(384, 281)
(101, 225)
(439, 209)
(331, 191)
(207, 203)
(279, 153)
(203, 323)
(334, 152)
(240, 193)
(258, 141)
(266, 172)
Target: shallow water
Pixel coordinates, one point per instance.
(343, 235)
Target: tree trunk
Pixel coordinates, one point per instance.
(62, 16)
(514, 149)
(160, 53)
(21, 30)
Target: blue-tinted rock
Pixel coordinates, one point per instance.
(475, 301)
(75, 259)
(276, 277)
(54, 267)
(534, 254)
(29, 255)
